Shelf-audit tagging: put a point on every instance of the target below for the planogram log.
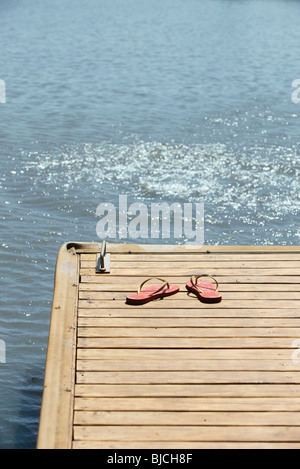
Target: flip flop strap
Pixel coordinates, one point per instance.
(165, 284)
(194, 283)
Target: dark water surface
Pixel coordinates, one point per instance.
(169, 100)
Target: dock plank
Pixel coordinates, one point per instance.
(185, 332)
(163, 364)
(135, 445)
(189, 418)
(261, 433)
(192, 343)
(187, 404)
(188, 390)
(187, 377)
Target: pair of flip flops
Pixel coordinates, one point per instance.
(205, 291)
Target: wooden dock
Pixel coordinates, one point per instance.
(174, 373)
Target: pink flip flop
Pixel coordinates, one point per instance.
(206, 291)
(152, 292)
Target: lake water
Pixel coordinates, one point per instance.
(161, 100)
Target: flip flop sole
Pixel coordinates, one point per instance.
(145, 296)
(209, 295)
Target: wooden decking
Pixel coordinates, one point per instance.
(175, 373)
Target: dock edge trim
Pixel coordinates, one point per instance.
(58, 393)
